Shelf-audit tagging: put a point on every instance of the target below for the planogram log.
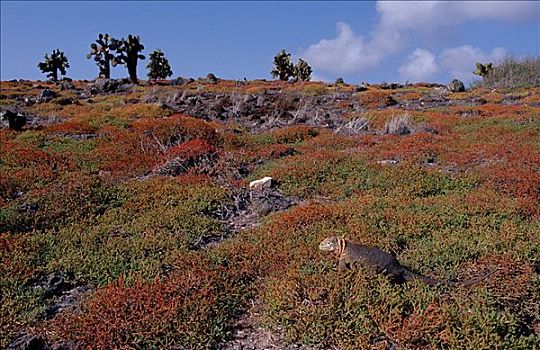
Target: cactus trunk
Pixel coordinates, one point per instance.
(132, 70)
(54, 75)
(106, 70)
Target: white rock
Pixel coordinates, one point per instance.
(265, 182)
(387, 162)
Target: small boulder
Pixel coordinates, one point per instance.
(47, 95)
(15, 121)
(53, 284)
(28, 207)
(29, 101)
(391, 86)
(180, 81)
(456, 85)
(265, 182)
(362, 87)
(101, 85)
(67, 300)
(67, 85)
(104, 85)
(211, 78)
(64, 101)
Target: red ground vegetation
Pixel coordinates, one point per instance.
(463, 199)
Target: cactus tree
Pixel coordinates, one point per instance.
(158, 67)
(102, 51)
(128, 55)
(283, 68)
(483, 69)
(56, 62)
(302, 70)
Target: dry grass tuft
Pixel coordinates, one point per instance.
(399, 125)
(355, 126)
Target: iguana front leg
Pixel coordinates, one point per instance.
(343, 265)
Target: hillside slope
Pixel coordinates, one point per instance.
(126, 219)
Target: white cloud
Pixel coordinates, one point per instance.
(417, 14)
(421, 66)
(400, 15)
(460, 61)
(346, 53)
(514, 11)
(397, 22)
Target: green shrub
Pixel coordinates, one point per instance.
(513, 73)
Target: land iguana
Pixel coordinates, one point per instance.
(380, 262)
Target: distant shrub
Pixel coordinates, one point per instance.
(376, 99)
(410, 96)
(315, 90)
(176, 129)
(74, 126)
(513, 73)
(189, 149)
(187, 155)
(136, 149)
(275, 151)
(296, 133)
(140, 110)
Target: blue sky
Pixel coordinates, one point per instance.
(359, 41)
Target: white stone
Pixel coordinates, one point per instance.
(265, 182)
(387, 162)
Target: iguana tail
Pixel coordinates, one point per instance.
(430, 281)
(410, 276)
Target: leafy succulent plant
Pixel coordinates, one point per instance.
(302, 70)
(102, 50)
(158, 67)
(54, 63)
(283, 68)
(128, 53)
(483, 69)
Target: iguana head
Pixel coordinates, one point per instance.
(330, 244)
(333, 244)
